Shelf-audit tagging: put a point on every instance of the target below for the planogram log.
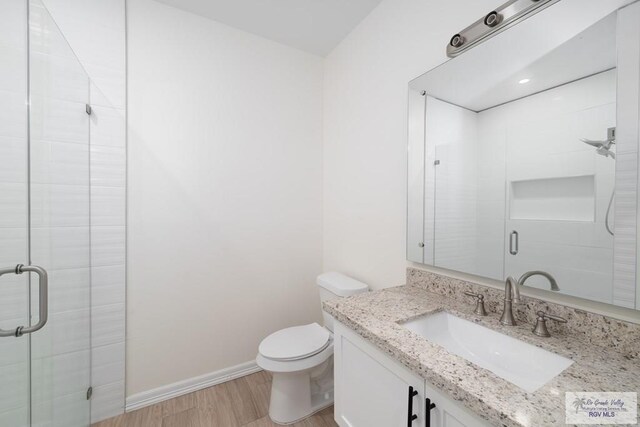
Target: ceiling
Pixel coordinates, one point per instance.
(314, 26)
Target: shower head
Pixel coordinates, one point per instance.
(604, 147)
(603, 151)
(598, 144)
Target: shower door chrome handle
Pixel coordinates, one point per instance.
(43, 287)
(513, 243)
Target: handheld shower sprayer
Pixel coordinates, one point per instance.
(604, 149)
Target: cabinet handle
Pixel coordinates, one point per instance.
(428, 406)
(410, 415)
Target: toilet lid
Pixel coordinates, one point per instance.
(295, 343)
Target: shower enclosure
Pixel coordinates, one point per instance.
(45, 116)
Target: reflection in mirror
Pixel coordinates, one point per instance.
(512, 162)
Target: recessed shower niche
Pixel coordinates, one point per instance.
(571, 198)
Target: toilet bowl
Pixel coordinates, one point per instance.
(300, 358)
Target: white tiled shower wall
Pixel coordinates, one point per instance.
(95, 30)
(543, 148)
(530, 139)
(628, 118)
(451, 238)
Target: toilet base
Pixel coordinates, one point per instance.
(298, 395)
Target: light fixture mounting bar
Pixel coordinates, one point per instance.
(494, 22)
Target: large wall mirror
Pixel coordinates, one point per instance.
(523, 154)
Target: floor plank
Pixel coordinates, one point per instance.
(243, 402)
(314, 421)
(244, 407)
(260, 377)
(188, 418)
(260, 394)
(328, 416)
(118, 421)
(178, 404)
(262, 422)
(150, 416)
(216, 407)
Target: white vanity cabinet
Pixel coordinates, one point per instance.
(373, 390)
(449, 413)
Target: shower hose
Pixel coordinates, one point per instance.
(606, 219)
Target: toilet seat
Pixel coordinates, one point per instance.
(295, 366)
(295, 343)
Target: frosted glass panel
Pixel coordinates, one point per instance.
(44, 220)
(14, 297)
(60, 237)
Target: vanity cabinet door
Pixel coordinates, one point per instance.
(449, 413)
(371, 389)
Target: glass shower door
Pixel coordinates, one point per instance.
(44, 221)
(14, 213)
(60, 224)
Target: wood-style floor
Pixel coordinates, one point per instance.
(238, 403)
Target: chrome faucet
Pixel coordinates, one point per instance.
(541, 323)
(550, 278)
(512, 293)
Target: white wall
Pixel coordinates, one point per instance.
(224, 203)
(365, 131)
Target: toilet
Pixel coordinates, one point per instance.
(300, 358)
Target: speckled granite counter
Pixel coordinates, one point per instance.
(377, 316)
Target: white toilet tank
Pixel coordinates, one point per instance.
(336, 285)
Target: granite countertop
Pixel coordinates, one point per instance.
(377, 316)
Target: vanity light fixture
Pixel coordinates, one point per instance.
(503, 17)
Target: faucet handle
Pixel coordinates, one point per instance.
(479, 310)
(541, 323)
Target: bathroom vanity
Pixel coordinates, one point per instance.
(380, 359)
(522, 163)
(374, 389)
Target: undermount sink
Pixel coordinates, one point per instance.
(525, 365)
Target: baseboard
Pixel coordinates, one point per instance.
(169, 391)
